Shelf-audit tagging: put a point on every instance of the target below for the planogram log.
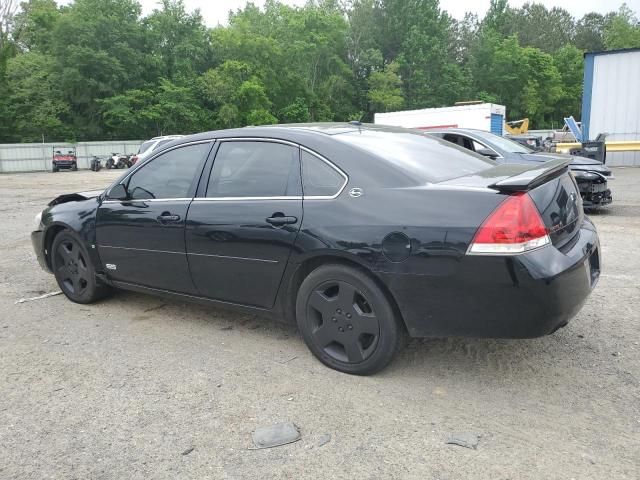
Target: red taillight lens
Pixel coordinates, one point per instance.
(514, 227)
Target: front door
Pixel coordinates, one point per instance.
(141, 239)
(240, 233)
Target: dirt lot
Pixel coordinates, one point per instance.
(126, 388)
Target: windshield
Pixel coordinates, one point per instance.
(420, 155)
(145, 146)
(503, 143)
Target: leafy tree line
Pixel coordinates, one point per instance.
(98, 69)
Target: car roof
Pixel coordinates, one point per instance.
(294, 131)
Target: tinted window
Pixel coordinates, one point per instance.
(319, 179)
(255, 169)
(170, 175)
(421, 156)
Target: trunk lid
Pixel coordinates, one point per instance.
(550, 185)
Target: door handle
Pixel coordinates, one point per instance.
(167, 217)
(279, 219)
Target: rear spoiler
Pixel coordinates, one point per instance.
(532, 178)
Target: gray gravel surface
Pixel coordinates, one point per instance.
(139, 387)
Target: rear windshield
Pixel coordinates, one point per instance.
(425, 158)
(145, 146)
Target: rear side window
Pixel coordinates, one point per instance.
(319, 179)
(421, 156)
(255, 169)
(170, 175)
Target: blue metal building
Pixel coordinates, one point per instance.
(611, 100)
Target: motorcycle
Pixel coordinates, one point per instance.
(119, 161)
(95, 164)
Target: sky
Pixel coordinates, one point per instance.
(217, 11)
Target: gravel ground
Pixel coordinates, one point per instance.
(141, 387)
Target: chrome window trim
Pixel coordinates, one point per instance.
(289, 197)
(131, 200)
(226, 199)
(332, 165)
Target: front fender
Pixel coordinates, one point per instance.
(77, 216)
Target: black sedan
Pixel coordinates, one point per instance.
(591, 175)
(363, 235)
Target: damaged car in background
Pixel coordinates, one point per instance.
(591, 176)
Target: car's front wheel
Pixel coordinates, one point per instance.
(347, 321)
(74, 271)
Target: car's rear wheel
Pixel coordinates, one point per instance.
(74, 271)
(347, 321)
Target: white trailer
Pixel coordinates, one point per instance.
(481, 116)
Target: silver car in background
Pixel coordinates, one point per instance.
(149, 146)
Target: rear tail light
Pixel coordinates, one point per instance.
(512, 228)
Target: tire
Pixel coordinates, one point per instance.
(74, 167)
(109, 164)
(347, 321)
(54, 169)
(74, 271)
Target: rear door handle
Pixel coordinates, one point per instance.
(166, 217)
(279, 220)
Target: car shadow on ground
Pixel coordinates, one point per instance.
(464, 358)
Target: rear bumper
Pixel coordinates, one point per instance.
(522, 296)
(37, 240)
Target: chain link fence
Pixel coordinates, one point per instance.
(37, 157)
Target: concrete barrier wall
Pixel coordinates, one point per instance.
(34, 157)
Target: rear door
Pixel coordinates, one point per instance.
(240, 231)
(141, 239)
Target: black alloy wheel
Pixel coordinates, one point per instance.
(347, 321)
(73, 270)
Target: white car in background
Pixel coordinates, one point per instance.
(149, 146)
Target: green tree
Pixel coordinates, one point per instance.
(622, 30)
(178, 42)
(590, 32)
(385, 89)
(35, 106)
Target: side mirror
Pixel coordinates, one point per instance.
(117, 192)
(487, 153)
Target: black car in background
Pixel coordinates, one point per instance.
(592, 176)
(360, 234)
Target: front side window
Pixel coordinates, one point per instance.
(170, 175)
(255, 169)
(319, 179)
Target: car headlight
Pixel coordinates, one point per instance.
(37, 222)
